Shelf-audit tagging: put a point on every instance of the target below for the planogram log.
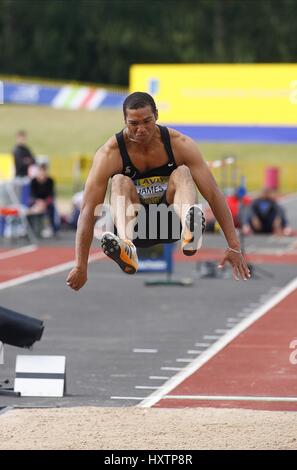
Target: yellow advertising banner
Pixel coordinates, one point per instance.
(221, 94)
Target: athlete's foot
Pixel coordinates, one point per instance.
(191, 238)
(123, 252)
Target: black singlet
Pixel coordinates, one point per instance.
(151, 185)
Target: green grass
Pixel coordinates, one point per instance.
(58, 132)
(64, 135)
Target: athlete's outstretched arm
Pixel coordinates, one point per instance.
(102, 169)
(211, 192)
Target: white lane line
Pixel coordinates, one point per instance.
(230, 398)
(171, 368)
(184, 359)
(147, 351)
(202, 345)
(222, 331)
(218, 346)
(210, 337)
(253, 305)
(194, 351)
(146, 387)
(6, 409)
(127, 398)
(232, 320)
(158, 377)
(119, 376)
(18, 251)
(45, 272)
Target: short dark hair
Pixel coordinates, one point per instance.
(43, 166)
(21, 133)
(138, 100)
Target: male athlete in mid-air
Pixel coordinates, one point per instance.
(150, 164)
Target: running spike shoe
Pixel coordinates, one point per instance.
(123, 252)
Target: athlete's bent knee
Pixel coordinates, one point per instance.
(120, 181)
(182, 172)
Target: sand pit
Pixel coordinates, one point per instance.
(138, 428)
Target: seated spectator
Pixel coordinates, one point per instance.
(42, 190)
(238, 203)
(266, 216)
(23, 157)
(76, 207)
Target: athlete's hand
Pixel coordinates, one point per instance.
(77, 278)
(238, 263)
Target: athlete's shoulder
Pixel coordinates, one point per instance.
(109, 154)
(179, 138)
(108, 150)
(184, 148)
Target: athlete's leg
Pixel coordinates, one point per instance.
(182, 193)
(123, 196)
(121, 248)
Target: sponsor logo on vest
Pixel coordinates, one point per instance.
(128, 171)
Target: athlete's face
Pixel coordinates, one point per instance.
(141, 124)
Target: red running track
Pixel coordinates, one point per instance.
(48, 257)
(34, 261)
(257, 363)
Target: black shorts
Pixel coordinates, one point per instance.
(166, 221)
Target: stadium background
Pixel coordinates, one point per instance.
(124, 341)
(248, 111)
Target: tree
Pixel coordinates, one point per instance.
(98, 40)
